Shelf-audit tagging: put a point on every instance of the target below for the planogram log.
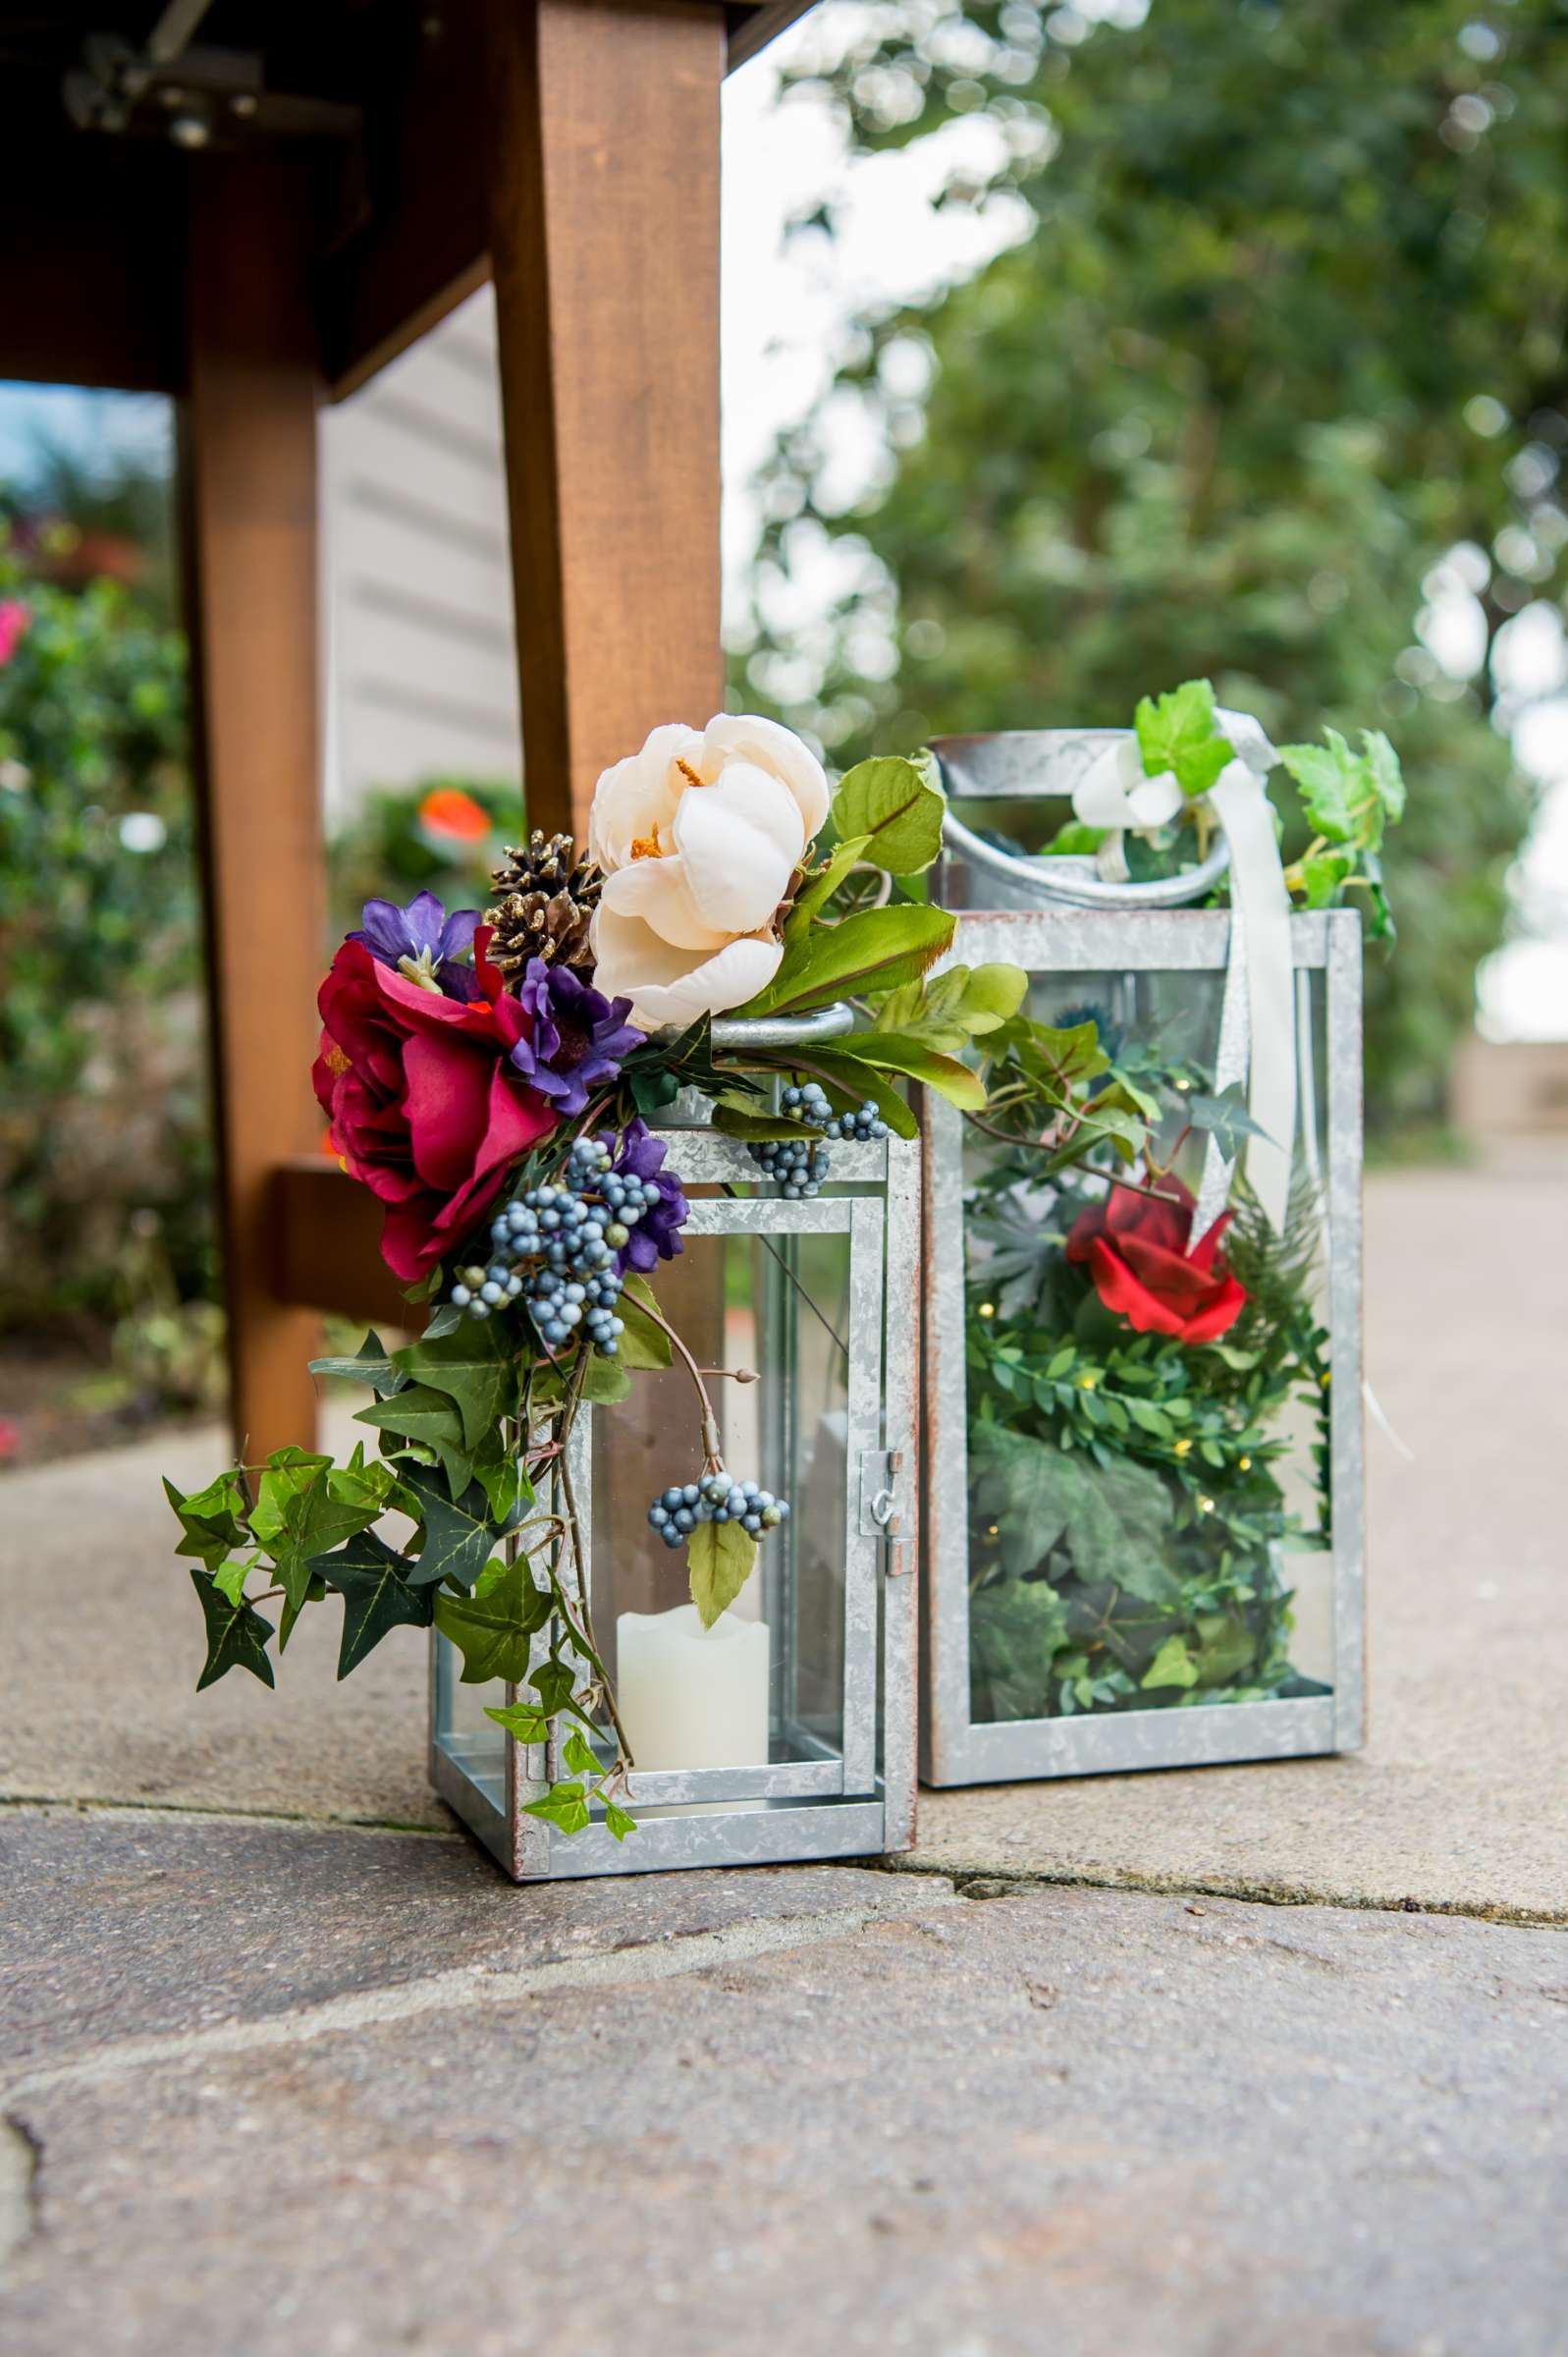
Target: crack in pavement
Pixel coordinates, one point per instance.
(689, 1953)
(986, 1882)
(21, 2156)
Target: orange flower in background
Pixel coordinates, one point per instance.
(446, 810)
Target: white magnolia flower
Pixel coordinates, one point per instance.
(698, 836)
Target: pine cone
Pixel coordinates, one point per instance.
(545, 896)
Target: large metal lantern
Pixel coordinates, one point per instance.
(1203, 1645)
(793, 1737)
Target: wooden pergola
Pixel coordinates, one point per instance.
(255, 207)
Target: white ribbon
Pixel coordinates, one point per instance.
(1257, 1031)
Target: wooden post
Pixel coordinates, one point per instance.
(249, 498)
(603, 123)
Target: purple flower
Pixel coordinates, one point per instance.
(655, 1237)
(422, 942)
(579, 1036)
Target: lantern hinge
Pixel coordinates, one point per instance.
(883, 1495)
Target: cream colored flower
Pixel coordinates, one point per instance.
(698, 836)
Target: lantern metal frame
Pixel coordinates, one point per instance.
(955, 1747)
(855, 1799)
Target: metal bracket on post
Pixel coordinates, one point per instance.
(883, 1498)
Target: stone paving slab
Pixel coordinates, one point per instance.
(1091, 2122)
(116, 1924)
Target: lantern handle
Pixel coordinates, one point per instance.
(784, 1030)
(1076, 889)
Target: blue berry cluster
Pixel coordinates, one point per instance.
(717, 1498)
(556, 1246)
(798, 1165)
(857, 1127)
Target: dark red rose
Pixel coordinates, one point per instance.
(424, 1106)
(1136, 1249)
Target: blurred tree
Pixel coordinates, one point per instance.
(1273, 377)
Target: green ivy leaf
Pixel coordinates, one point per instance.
(474, 1369)
(555, 1684)
(230, 1579)
(604, 1384)
(377, 1597)
(1179, 732)
(459, 1533)
(212, 1520)
(579, 1755)
(620, 1823)
(521, 1721)
(422, 1414)
(1115, 1519)
(1224, 1116)
(893, 806)
(1332, 781)
(370, 1364)
(236, 1636)
(721, 1557)
(1173, 1665)
(492, 1628)
(563, 1805)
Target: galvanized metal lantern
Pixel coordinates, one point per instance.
(794, 1736)
(1053, 1656)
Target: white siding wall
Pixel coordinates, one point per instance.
(421, 678)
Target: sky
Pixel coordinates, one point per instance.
(786, 307)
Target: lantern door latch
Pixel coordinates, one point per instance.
(883, 1498)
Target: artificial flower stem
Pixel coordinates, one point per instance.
(586, 1636)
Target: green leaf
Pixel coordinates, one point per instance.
(212, 1520)
(1179, 732)
(422, 1414)
(236, 1636)
(370, 1364)
(504, 1478)
(579, 1755)
(874, 951)
(492, 1628)
(1173, 1665)
(1224, 1117)
(563, 1805)
(1384, 774)
(959, 1005)
(230, 1579)
(556, 1684)
(952, 1080)
(521, 1721)
(474, 1370)
(1332, 781)
(604, 1384)
(721, 1557)
(620, 1823)
(892, 805)
(1323, 876)
(369, 1577)
(819, 888)
(1115, 1519)
(1016, 1628)
(315, 1592)
(758, 1128)
(459, 1532)
(642, 1343)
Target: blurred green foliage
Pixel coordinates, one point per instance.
(105, 1155)
(444, 835)
(1283, 327)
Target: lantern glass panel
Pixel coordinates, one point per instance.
(788, 1733)
(1148, 1555)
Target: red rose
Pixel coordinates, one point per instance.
(1136, 1248)
(423, 1105)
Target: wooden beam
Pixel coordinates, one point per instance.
(327, 1244)
(603, 147)
(248, 485)
(91, 262)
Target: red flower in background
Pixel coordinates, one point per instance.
(1136, 1250)
(13, 620)
(424, 1106)
(447, 811)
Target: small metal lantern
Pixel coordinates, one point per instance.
(1142, 966)
(813, 1713)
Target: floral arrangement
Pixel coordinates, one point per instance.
(496, 1082)
(1136, 1389)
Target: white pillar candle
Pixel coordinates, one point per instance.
(693, 1697)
